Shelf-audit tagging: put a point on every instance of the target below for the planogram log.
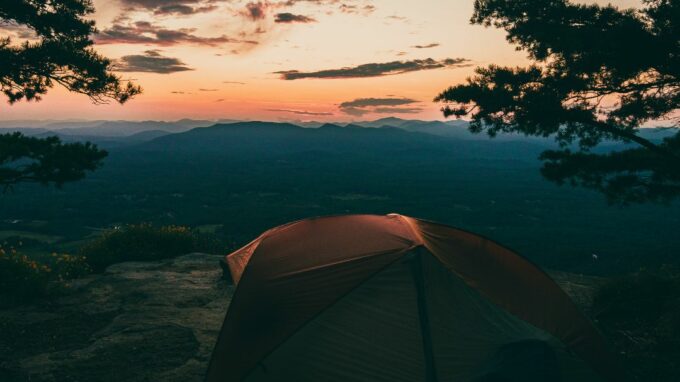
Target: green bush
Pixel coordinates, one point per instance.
(23, 279)
(144, 242)
(67, 267)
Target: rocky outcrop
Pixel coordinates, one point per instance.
(136, 322)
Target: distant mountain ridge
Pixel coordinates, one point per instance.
(122, 133)
(108, 129)
(248, 176)
(274, 137)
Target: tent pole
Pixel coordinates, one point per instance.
(423, 317)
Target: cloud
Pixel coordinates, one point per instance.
(153, 4)
(377, 69)
(172, 7)
(234, 82)
(207, 90)
(300, 112)
(143, 32)
(432, 45)
(179, 9)
(370, 102)
(357, 9)
(348, 6)
(397, 110)
(18, 30)
(256, 11)
(290, 3)
(391, 105)
(151, 62)
(264, 13)
(292, 18)
(368, 9)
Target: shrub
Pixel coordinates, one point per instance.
(144, 242)
(67, 267)
(23, 279)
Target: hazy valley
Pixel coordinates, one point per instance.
(236, 179)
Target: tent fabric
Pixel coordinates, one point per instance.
(374, 334)
(469, 332)
(371, 334)
(311, 292)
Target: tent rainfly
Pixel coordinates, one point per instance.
(394, 298)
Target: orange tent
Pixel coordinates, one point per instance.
(393, 298)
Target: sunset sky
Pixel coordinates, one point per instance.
(324, 60)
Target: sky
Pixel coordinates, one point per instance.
(282, 60)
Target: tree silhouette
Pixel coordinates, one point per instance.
(45, 160)
(598, 73)
(59, 52)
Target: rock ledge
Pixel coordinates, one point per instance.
(154, 321)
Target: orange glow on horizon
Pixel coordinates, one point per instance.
(238, 79)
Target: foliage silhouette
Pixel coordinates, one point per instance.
(58, 51)
(45, 160)
(599, 72)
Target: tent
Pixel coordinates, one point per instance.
(394, 298)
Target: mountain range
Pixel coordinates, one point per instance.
(121, 133)
(246, 177)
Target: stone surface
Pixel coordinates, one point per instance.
(136, 322)
(153, 321)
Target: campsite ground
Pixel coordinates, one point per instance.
(159, 321)
(137, 322)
